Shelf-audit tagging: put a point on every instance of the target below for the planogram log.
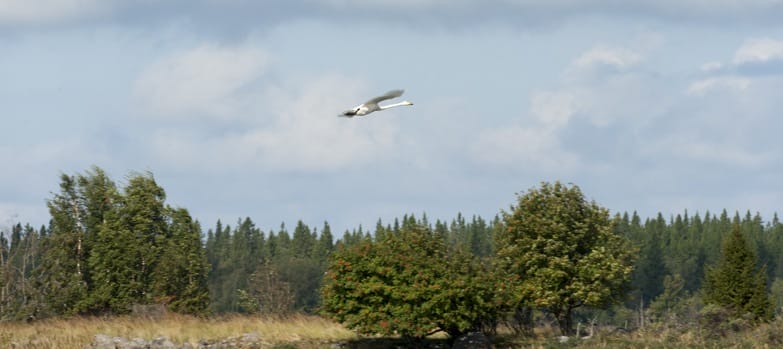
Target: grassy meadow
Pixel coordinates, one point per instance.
(78, 332)
(316, 332)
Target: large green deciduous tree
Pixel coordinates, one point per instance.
(564, 252)
(736, 282)
(407, 283)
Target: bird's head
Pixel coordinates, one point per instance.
(407, 102)
(351, 112)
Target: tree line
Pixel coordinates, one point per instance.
(107, 249)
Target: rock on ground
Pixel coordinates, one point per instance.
(473, 340)
(102, 341)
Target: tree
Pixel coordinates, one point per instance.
(666, 306)
(648, 275)
(19, 296)
(180, 278)
(220, 256)
(775, 242)
(776, 290)
(267, 292)
(104, 251)
(324, 246)
(409, 283)
(78, 213)
(303, 241)
(304, 276)
(127, 248)
(736, 282)
(564, 252)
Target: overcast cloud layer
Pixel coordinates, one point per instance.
(653, 106)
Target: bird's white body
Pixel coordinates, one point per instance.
(372, 105)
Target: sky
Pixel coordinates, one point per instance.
(648, 105)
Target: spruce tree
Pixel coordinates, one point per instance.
(4, 270)
(479, 237)
(219, 255)
(180, 278)
(775, 241)
(77, 212)
(648, 275)
(325, 245)
(128, 246)
(736, 282)
(106, 250)
(303, 241)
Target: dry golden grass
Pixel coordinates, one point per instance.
(79, 332)
(309, 331)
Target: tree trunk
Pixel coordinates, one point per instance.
(564, 321)
(522, 323)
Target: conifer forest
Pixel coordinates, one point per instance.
(111, 250)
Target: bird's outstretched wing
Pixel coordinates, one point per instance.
(389, 95)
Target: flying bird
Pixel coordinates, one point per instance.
(372, 105)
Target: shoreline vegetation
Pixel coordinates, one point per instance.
(306, 331)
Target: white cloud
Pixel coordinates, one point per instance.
(758, 51)
(603, 60)
(722, 153)
(586, 94)
(308, 135)
(298, 131)
(253, 15)
(204, 81)
(668, 8)
(754, 61)
(711, 66)
(553, 108)
(535, 145)
(606, 84)
(725, 83)
(729, 110)
(522, 148)
(726, 152)
(398, 4)
(47, 11)
(619, 58)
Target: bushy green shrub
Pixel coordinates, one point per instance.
(409, 283)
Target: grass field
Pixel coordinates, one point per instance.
(316, 332)
(78, 332)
